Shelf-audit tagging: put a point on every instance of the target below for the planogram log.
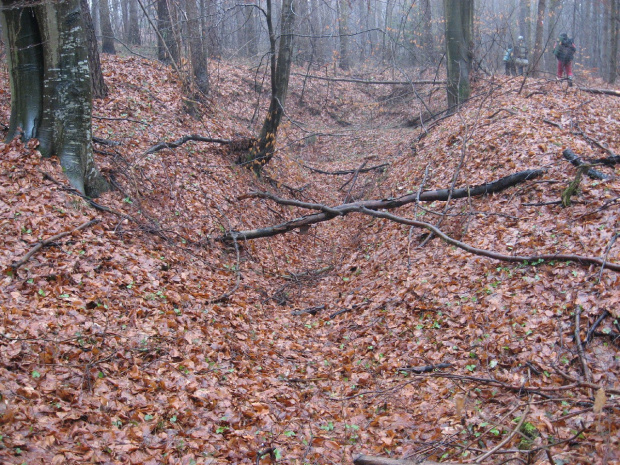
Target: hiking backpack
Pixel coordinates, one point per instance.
(566, 50)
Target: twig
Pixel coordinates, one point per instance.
(120, 119)
(607, 250)
(183, 140)
(582, 357)
(507, 438)
(344, 172)
(353, 180)
(47, 242)
(369, 82)
(580, 383)
(596, 324)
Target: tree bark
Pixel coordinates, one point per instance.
(107, 41)
(459, 17)
(328, 213)
(164, 26)
(100, 89)
(134, 25)
(614, 38)
(49, 56)
(538, 41)
(262, 151)
(197, 57)
(343, 32)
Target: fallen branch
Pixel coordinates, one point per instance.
(310, 310)
(577, 161)
(183, 140)
(344, 172)
(370, 460)
(328, 213)
(427, 368)
(371, 82)
(615, 93)
(368, 208)
(47, 242)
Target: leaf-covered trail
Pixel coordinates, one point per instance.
(113, 350)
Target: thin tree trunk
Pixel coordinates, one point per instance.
(198, 59)
(343, 32)
(538, 41)
(427, 25)
(262, 151)
(134, 25)
(614, 37)
(107, 42)
(164, 26)
(100, 90)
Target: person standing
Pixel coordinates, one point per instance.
(520, 56)
(564, 51)
(509, 62)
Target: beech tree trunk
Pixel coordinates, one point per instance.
(538, 41)
(343, 31)
(614, 38)
(100, 89)
(51, 97)
(167, 50)
(107, 41)
(133, 35)
(262, 151)
(459, 18)
(197, 57)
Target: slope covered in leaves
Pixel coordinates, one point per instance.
(142, 339)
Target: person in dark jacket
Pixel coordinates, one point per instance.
(564, 51)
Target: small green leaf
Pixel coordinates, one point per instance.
(36, 374)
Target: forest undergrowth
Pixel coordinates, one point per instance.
(139, 337)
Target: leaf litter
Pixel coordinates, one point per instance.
(117, 347)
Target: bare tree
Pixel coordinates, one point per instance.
(262, 150)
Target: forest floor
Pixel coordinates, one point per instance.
(141, 338)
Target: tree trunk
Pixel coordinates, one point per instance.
(134, 25)
(427, 25)
(538, 41)
(164, 26)
(100, 90)
(614, 37)
(459, 17)
(262, 151)
(198, 59)
(107, 42)
(49, 56)
(343, 32)
(525, 20)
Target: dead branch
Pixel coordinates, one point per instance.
(577, 161)
(310, 310)
(344, 172)
(183, 140)
(371, 460)
(370, 82)
(507, 439)
(592, 329)
(582, 356)
(47, 242)
(426, 368)
(107, 118)
(327, 213)
(615, 93)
